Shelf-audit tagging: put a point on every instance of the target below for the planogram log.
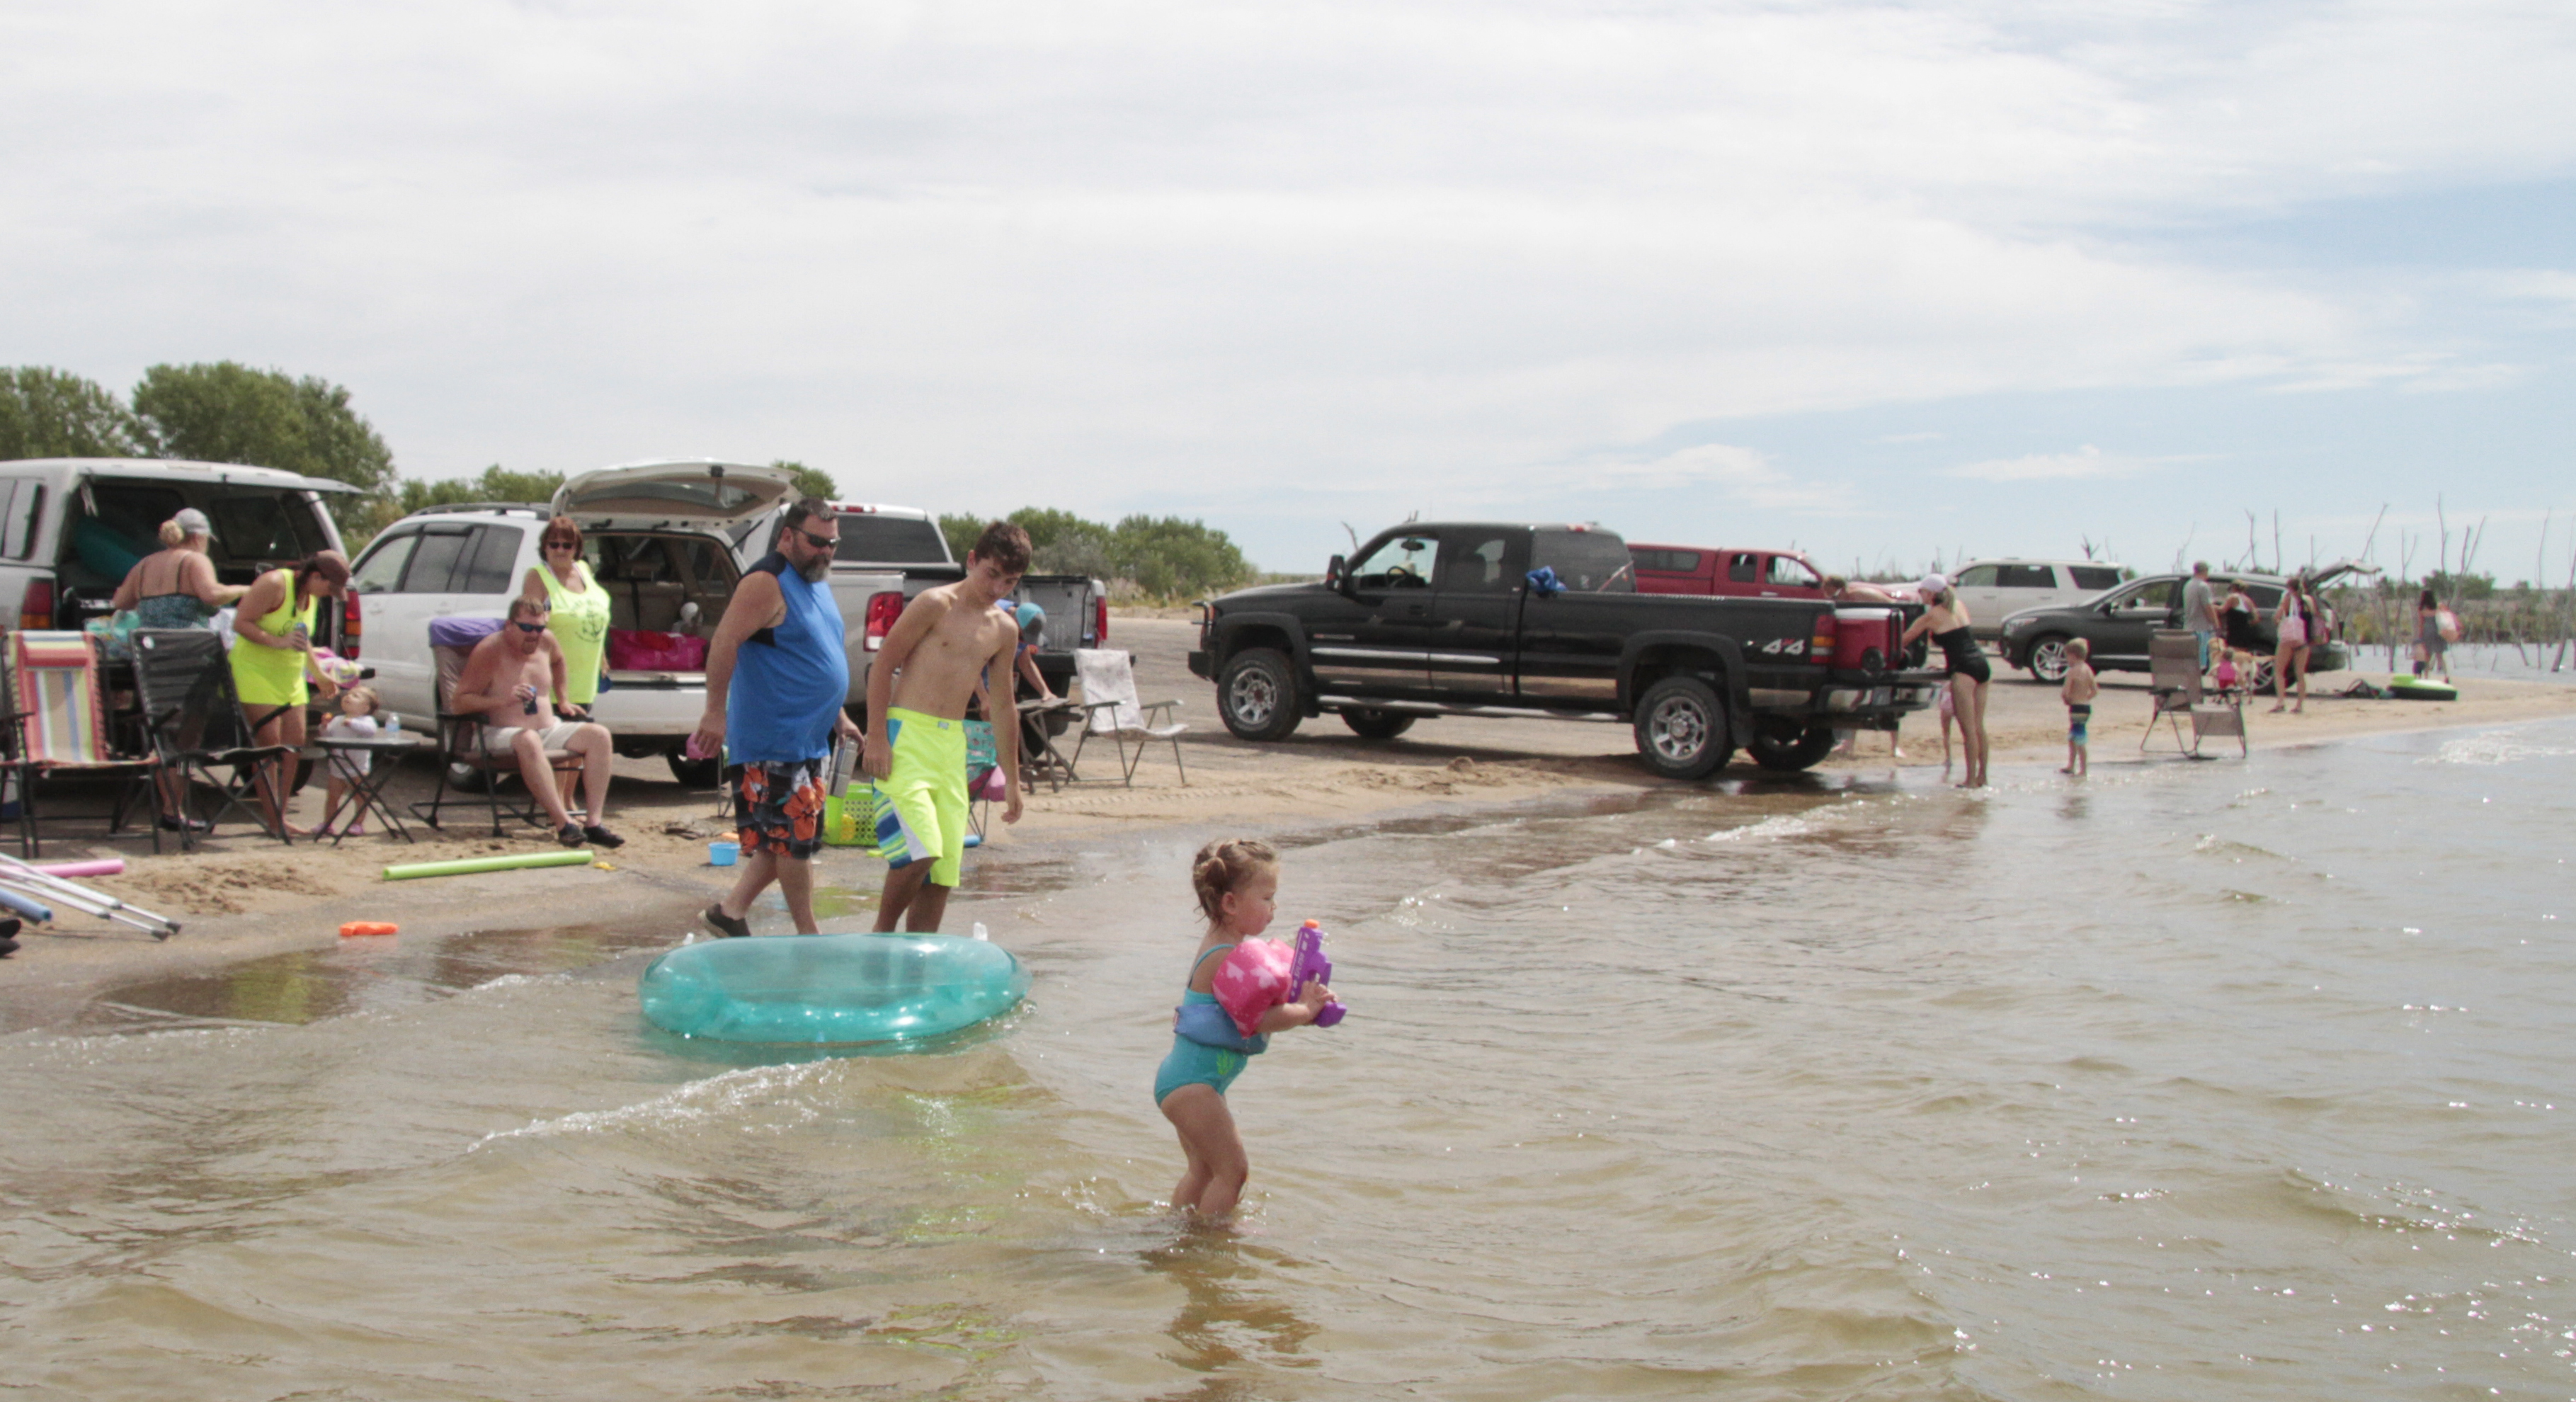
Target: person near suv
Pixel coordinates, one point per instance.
(271, 658)
(512, 679)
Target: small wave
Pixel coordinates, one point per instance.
(713, 1098)
(2211, 844)
(2492, 747)
(1778, 825)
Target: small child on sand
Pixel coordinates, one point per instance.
(1237, 882)
(356, 721)
(2078, 692)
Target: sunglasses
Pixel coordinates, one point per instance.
(527, 627)
(819, 542)
(559, 543)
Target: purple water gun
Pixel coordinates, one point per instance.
(1310, 963)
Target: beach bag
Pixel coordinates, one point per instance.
(114, 634)
(2448, 624)
(640, 650)
(2294, 629)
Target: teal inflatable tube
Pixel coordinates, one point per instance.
(823, 989)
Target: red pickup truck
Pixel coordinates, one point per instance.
(1751, 574)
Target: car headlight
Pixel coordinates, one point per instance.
(2015, 625)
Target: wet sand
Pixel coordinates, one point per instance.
(244, 896)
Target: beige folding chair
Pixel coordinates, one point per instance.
(2173, 678)
(1108, 681)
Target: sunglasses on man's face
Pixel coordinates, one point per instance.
(527, 627)
(819, 542)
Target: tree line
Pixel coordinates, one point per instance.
(1145, 559)
(229, 412)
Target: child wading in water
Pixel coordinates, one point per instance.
(1237, 882)
(357, 720)
(2078, 692)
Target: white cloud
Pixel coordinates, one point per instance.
(2087, 463)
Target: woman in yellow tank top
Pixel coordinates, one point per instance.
(579, 619)
(272, 656)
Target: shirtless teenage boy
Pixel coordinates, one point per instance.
(512, 678)
(950, 646)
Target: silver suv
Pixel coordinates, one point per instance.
(1993, 588)
(660, 538)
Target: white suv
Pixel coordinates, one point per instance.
(1993, 588)
(660, 539)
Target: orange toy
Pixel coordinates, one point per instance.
(367, 927)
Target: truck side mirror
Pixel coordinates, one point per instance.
(1337, 575)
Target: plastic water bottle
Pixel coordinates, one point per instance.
(981, 933)
(393, 725)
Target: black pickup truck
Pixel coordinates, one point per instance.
(1516, 620)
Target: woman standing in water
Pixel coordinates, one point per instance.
(1945, 619)
(175, 587)
(2432, 650)
(2294, 623)
(272, 657)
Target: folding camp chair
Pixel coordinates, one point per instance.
(460, 735)
(984, 779)
(58, 729)
(2173, 679)
(1108, 681)
(186, 681)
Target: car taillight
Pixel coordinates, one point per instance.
(351, 625)
(36, 610)
(1820, 648)
(883, 610)
(1100, 621)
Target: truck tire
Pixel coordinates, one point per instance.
(1787, 749)
(1681, 729)
(2047, 658)
(1256, 693)
(1373, 723)
(694, 773)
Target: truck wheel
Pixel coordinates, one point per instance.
(1257, 695)
(1788, 749)
(1373, 723)
(694, 773)
(1681, 729)
(2047, 659)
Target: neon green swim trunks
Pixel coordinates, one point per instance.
(920, 805)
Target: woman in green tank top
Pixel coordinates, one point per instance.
(580, 618)
(271, 658)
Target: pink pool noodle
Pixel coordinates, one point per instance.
(104, 866)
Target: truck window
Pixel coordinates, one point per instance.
(1787, 571)
(2026, 577)
(2157, 594)
(487, 565)
(2095, 578)
(1666, 561)
(381, 570)
(121, 523)
(890, 540)
(1586, 562)
(266, 526)
(1402, 562)
(1744, 568)
(1976, 577)
(1477, 562)
(25, 504)
(434, 562)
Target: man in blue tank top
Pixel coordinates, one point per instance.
(777, 673)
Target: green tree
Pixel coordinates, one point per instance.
(810, 481)
(229, 412)
(1170, 558)
(48, 413)
(962, 528)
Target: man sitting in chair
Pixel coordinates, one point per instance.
(511, 679)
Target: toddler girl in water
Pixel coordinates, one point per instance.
(357, 721)
(1237, 882)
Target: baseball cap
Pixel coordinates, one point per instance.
(191, 521)
(1934, 583)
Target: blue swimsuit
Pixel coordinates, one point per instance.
(1197, 1063)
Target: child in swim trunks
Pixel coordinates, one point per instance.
(2078, 691)
(1237, 882)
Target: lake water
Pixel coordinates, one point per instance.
(2195, 1080)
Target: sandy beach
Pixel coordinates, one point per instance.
(242, 896)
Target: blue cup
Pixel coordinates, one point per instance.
(723, 854)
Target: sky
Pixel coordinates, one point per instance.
(1891, 283)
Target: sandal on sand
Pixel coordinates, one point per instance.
(569, 835)
(598, 836)
(726, 926)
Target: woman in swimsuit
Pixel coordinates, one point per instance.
(175, 587)
(2294, 622)
(1237, 882)
(1945, 619)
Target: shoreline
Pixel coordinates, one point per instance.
(246, 897)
